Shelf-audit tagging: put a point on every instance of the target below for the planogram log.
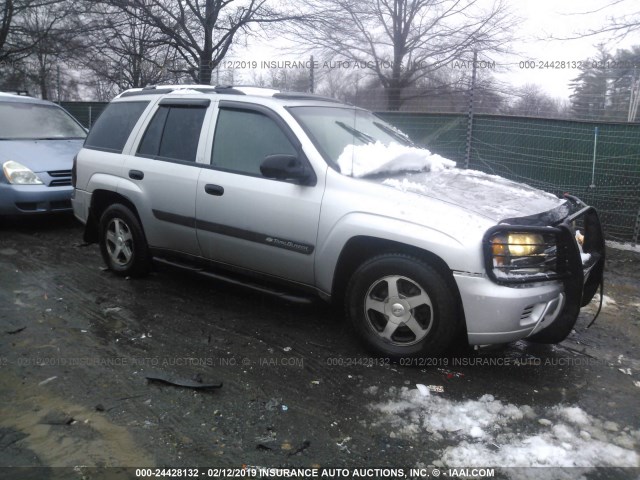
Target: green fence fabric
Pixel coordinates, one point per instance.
(85, 112)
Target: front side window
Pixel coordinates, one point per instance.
(244, 138)
(173, 133)
(114, 125)
(24, 120)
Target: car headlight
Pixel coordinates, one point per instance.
(18, 174)
(522, 256)
(517, 244)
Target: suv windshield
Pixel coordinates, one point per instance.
(332, 129)
(20, 120)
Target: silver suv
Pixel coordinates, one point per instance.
(296, 194)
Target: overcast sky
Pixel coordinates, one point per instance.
(542, 20)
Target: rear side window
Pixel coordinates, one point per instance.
(173, 133)
(113, 127)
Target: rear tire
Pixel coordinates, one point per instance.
(402, 307)
(122, 242)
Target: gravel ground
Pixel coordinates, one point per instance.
(78, 343)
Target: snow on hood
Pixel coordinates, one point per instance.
(492, 196)
(374, 158)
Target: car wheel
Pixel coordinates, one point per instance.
(122, 242)
(402, 307)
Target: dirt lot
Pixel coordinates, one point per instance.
(77, 343)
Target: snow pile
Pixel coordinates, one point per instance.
(629, 247)
(406, 185)
(489, 432)
(377, 157)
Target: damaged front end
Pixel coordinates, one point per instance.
(550, 247)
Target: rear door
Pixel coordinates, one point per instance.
(247, 220)
(165, 169)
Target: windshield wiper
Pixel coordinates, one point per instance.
(60, 138)
(394, 133)
(363, 137)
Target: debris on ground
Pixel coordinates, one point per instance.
(306, 444)
(423, 389)
(50, 379)
(180, 382)
(13, 332)
(450, 373)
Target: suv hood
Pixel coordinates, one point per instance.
(490, 196)
(41, 155)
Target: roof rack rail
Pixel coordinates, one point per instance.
(164, 89)
(304, 96)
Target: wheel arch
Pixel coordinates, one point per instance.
(101, 200)
(361, 248)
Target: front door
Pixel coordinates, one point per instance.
(247, 220)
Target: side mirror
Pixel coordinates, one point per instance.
(284, 167)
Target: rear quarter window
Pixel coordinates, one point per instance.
(113, 127)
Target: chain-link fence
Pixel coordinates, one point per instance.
(598, 162)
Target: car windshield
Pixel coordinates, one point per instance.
(357, 143)
(20, 120)
(333, 129)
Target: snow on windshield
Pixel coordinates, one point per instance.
(369, 159)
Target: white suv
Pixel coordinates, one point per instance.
(296, 194)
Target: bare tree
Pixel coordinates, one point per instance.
(403, 41)
(15, 40)
(201, 32)
(123, 51)
(614, 26)
(532, 101)
(6, 16)
(39, 38)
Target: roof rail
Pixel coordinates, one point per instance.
(304, 96)
(164, 89)
(227, 90)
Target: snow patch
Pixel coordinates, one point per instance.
(630, 247)
(377, 157)
(490, 432)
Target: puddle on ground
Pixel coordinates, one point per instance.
(64, 434)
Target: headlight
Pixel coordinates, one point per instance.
(18, 174)
(521, 256)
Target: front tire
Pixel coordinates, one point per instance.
(122, 242)
(402, 307)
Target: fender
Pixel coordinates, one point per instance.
(457, 255)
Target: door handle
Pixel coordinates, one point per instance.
(216, 190)
(136, 174)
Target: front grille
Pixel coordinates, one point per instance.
(61, 178)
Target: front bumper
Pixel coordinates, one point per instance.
(34, 199)
(498, 311)
(500, 314)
